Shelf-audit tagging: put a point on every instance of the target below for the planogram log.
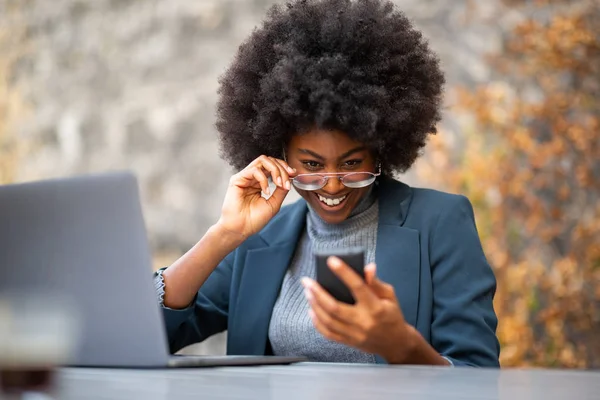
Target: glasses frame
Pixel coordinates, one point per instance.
(339, 175)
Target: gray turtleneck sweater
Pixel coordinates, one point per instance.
(291, 331)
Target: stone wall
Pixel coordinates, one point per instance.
(118, 84)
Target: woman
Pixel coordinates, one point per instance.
(333, 97)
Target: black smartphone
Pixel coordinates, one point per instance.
(354, 257)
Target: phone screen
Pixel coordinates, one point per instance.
(354, 257)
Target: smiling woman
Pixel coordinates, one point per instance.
(332, 97)
(334, 172)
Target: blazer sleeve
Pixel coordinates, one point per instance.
(206, 315)
(464, 321)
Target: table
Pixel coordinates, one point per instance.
(328, 381)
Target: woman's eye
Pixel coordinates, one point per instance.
(311, 164)
(352, 163)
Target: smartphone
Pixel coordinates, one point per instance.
(354, 257)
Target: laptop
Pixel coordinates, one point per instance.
(85, 238)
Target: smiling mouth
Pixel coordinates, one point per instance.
(331, 201)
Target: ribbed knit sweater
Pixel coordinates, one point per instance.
(291, 331)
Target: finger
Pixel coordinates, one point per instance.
(331, 323)
(349, 333)
(381, 289)
(358, 287)
(277, 198)
(251, 177)
(291, 171)
(370, 273)
(323, 330)
(272, 169)
(283, 172)
(341, 311)
(260, 176)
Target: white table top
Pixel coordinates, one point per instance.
(327, 381)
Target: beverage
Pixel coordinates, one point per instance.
(37, 335)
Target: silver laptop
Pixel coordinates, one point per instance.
(85, 237)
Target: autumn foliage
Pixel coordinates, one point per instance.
(529, 159)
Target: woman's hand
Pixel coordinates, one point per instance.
(374, 324)
(245, 211)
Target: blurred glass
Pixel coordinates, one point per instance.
(38, 333)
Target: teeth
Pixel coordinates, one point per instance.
(331, 202)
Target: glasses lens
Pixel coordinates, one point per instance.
(358, 179)
(309, 182)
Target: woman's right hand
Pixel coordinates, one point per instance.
(245, 211)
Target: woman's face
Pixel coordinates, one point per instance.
(325, 151)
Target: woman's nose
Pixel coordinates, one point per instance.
(334, 185)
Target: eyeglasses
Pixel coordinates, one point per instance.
(352, 180)
(316, 181)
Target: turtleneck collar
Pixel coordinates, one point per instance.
(364, 211)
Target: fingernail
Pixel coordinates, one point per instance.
(311, 313)
(279, 181)
(334, 262)
(291, 169)
(308, 294)
(305, 282)
(287, 185)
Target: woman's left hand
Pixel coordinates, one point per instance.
(373, 324)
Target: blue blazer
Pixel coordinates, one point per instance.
(428, 249)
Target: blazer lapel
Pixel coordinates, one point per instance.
(397, 254)
(398, 249)
(260, 283)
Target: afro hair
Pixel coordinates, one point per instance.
(357, 66)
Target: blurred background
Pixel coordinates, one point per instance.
(91, 86)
